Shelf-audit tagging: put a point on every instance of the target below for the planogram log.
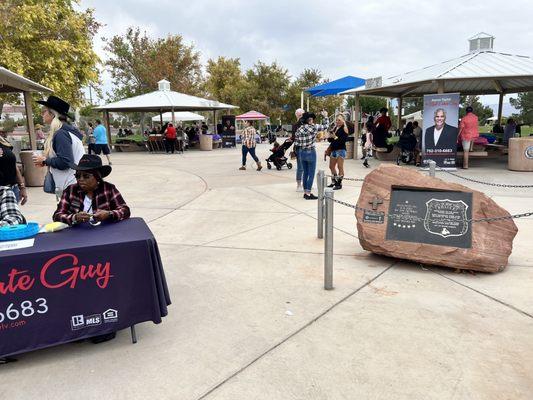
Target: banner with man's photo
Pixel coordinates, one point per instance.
(441, 121)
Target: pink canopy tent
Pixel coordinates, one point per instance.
(251, 116)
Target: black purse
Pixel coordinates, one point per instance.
(49, 185)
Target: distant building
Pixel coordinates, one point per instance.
(14, 112)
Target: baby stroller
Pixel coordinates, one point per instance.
(278, 156)
(407, 145)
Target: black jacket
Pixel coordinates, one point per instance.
(447, 139)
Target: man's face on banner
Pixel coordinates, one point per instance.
(440, 118)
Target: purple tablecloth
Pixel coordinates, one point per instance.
(80, 282)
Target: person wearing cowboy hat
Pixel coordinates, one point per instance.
(63, 146)
(305, 139)
(91, 196)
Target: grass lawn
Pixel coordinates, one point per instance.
(526, 130)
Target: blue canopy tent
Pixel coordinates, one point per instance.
(336, 86)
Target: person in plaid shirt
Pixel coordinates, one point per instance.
(248, 145)
(91, 198)
(305, 139)
(9, 209)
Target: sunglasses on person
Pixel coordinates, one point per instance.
(83, 175)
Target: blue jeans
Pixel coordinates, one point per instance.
(245, 151)
(308, 157)
(299, 168)
(16, 191)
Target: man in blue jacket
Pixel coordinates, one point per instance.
(100, 136)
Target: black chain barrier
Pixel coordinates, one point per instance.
(418, 219)
(484, 183)
(347, 179)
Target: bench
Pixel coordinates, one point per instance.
(380, 153)
(479, 154)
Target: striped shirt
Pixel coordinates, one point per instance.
(248, 137)
(306, 134)
(9, 209)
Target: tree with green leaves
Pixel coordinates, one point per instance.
(368, 104)
(266, 89)
(50, 42)
(225, 81)
(482, 112)
(524, 104)
(308, 79)
(137, 62)
(412, 104)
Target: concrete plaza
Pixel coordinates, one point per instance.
(249, 317)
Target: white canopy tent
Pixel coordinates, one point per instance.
(13, 83)
(480, 72)
(164, 100)
(179, 116)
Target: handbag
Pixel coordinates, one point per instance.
(49, 185)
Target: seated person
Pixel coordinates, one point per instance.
(407, 140)
(9, 209)
(91, 196)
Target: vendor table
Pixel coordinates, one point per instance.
(78, 283)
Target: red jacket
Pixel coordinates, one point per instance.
(170, 132)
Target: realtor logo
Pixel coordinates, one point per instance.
(77, 322)
(110, 315)
(93, 320)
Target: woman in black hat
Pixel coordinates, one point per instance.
(63, 146)
(305, 139)
(91, 199)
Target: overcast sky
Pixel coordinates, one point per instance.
(340, 37)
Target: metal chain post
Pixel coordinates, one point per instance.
(328, 242)
(432, 167)
(320, 179)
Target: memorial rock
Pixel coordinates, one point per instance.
(415, 217)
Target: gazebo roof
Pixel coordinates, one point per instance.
(476, 73)
(251, 116)
(165, 100)
(11, 83)
(179, 116)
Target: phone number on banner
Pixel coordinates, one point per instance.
(26, 308)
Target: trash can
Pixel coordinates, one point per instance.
(520, 154)
(206, 142)
(34, 176)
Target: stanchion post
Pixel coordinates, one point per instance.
(320, 178)
(328, 242)
(432, 167)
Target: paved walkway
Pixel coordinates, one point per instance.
(250, 319)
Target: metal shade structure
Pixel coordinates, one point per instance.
(179, 116)
(163, 100)
(11, 82)
(480, 72)
(335, 87)
(251, 116)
